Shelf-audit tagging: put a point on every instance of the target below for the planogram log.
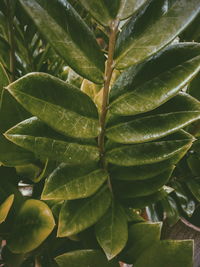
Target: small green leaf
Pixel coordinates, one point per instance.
(68, 182)
(143, 172)
(62, 106)
(77, 215)
(69, 35)
(90, 258)
(5, 207)
(152, 29)
(156, 91)
(129, 189)
(167, 253)
(108, 229)
(32, 134)
(34, 222)
(129, 7)
(148, 153)
(141, 236)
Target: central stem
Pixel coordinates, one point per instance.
(107, 79)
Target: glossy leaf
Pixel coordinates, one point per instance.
(129, 7)
(68, 182)
(148, 153)
(77, 215)
(108, 229)
(141, 237)
(144, 172)
(92, 258)
(68, 34)
(34, 135)
(142, 202)
(151, 127)
(156, 91)
(57, 103)
(193, 87)
(167, 253)
(170, 209)
(34, 222)
(5, 207)
(153, 29)
(104, 11)
(126, 189)
(167, 59)
(10, 114)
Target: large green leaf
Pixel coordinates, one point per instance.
(141, 236)
(165, 60)
(34, 222)
(77, 215)
(156, 91)
(68, 182)
(68, 35)
(152, 29)
(34, 135)
(129, 189)
(90, 258)
(167, 253)
(5, 207)
(62, 106)
(143, 172)
(142, 202)
(108, 229)
(10, 114)
(152, 152)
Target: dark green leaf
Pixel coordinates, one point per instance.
(141, 236)
(33, 224)
(68, 35)
(171, 210)
(129, 189)
(152, 29)
(108, 229)
(73, 182)
(77, 215)
(62, 106)
(90, 258)
(148, 153)
(194, 87)
(5, 207)
(156, 91)
(143, 172)
(167, 253)
(194, 187)
(34, 135)
(128, 7)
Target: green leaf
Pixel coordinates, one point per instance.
(194, 188)
(68, 34)
(104, 11)
(151, 127)
(91, 258)
(5, 207)
(143, 172)
(77, 215)
(156, 91)
(141, 202)
(148, 153)
(129, 7)
(167, 253)
(68, 182)
(108, 229)
(141, 237)
(34, 222)
(171, 210)
(34, 135)
(194, 87)
(167, 59)
(62, 106)
(152, 29)
(131, 189)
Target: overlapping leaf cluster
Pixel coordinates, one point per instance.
(53, 124)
